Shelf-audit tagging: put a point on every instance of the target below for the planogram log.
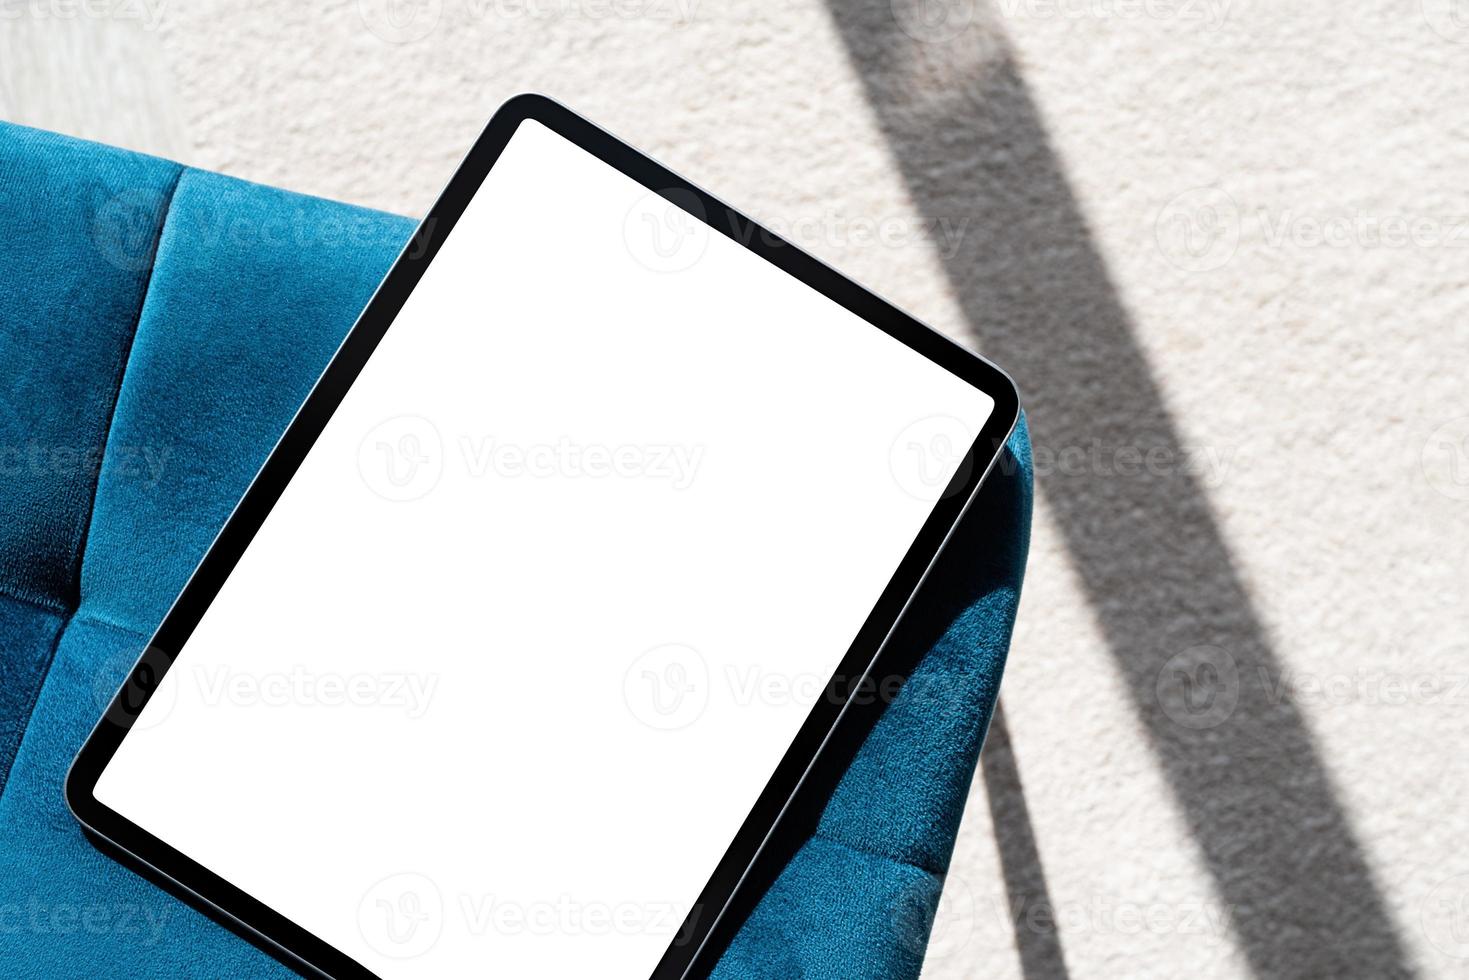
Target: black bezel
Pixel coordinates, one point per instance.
(782, 817)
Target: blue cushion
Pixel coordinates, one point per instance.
(79, 228)
(158, 326)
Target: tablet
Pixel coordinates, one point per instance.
(531, 644)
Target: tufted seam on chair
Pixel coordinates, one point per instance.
(69, 611)
(826, 838)
(93, 619)
(122, 372)
(43, 603)
(70, 615)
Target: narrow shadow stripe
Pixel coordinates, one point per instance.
(1037, 933)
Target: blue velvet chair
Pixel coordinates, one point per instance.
(158, 327)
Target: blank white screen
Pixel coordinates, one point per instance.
(505, 668)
